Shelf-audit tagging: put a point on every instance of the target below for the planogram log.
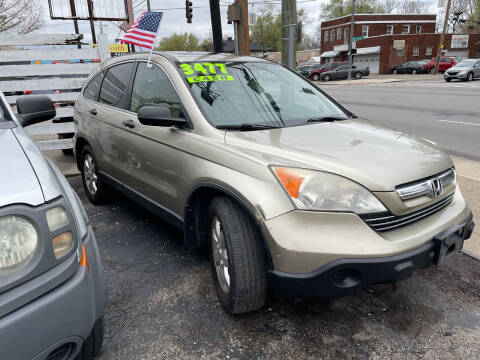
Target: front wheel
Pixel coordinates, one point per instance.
(470, 77)
(414, 71)
(448, 80)
(357, 76)
(395, 71)
(327, 78)
(236, 258)
(315, 77)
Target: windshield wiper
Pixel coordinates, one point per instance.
(247, 127)
(326, 119)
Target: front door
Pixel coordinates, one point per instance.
(153, 156)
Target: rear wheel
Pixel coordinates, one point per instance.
(357, 76)
(95, 188)
(414, 71)
(236, 258)
(315, 77)
(395, 71)
(327, 77)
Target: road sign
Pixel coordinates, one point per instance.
(357, 38)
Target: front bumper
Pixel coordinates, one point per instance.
(345, 276)
(455, 76)
(64, 315)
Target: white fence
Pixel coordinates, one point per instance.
(57, 73)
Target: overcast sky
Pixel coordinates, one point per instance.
(174, 20)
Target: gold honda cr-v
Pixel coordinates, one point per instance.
(291, 191)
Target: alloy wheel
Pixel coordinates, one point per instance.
(220, 254)
(89, 173)
(470, 77)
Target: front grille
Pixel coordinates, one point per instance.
(387, 221)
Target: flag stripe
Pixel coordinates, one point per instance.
(135, 38)
(141, 32)
(147, 44)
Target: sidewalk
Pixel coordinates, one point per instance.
(382, 79)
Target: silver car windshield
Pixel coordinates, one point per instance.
(255, 93)
(465, 63)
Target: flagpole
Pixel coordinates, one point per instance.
(154, 43)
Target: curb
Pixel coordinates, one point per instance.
(473, 256)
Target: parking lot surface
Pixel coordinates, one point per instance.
(161, 304)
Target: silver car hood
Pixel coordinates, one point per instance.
(376, 157)
(18, 181)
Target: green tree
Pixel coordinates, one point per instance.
(336, 8)
(179, 42)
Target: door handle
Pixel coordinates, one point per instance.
(93, 111)
(128, 123)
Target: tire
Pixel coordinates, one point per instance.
(395, 71)
(93, 344)
(96, 191)
(357, 75)
(470, 77)
(448, 80)
(327, 77)
(414, 71)
(241, 283)
(315, 77)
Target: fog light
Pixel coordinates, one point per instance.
(56, 218)
(62, 244)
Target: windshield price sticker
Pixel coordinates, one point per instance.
(206, 72)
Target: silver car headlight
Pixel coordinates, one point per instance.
(18, 243)
(321, 191)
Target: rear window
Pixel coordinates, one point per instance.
(115, 85)
(93, 88)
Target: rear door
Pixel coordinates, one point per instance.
(153, 156)
(109, 114)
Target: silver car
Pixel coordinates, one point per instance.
(466, 70)
(289, 189)
(51, 280)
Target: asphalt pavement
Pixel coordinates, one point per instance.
(447, 113)
(161, 304)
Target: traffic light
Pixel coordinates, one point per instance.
(188, 10)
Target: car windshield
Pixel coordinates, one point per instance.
(465, 63)
(255, 93)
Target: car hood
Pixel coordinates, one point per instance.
(460, 68)
(19, 183)
(376, 157)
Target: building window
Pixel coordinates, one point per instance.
(332, 35)
(339, 33)
(418, 29)
(389, 29)
(406, 29)
(345, 36)
(416, 51)
(325, 36)
(477, 53)
(365, 30)
(428, 52)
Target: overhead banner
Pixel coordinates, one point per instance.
(118, 48)
(459, 42)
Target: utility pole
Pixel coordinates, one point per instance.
(148, 6)
(442, 37)
(75, 21)
(289, 25)
(216, 26)
(242, 30)
(92, 24)
(350, 42)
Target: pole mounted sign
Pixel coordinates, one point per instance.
(118, 48)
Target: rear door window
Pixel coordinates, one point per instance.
(153, 87)
(92, 90)
(115, 85)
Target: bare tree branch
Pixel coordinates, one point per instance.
(20, 16)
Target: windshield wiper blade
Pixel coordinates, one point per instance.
(326, 119)
(247, 127)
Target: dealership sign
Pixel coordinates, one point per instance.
(459, 42)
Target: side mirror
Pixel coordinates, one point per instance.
(153, 115)
(33, 109)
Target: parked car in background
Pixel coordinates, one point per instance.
(51, 280)
(411, 67)
(444, 64)
(341, 72)
(304, 70)
(466, 70)
(316, 73)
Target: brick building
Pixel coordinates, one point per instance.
(391, 39)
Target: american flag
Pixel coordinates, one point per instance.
(144, 31)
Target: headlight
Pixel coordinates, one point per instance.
(316, 190)
(18, 242)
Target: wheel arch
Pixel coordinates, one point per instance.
(80, 142)
(195, 219)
